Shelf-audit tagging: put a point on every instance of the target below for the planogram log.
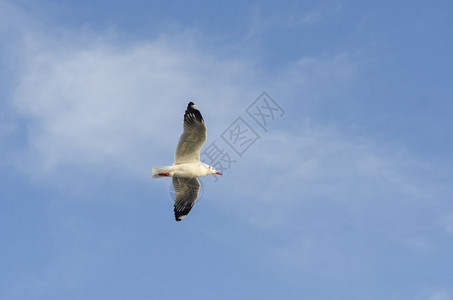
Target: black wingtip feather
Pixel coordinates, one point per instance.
(191, 113)
(179, 215)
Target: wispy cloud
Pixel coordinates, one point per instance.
(99, 101)
(89, 99)
(316, 190)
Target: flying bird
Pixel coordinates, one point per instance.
(187, 166)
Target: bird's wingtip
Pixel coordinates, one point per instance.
(192, 105)
(180, 218)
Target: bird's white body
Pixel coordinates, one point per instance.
(187, 170)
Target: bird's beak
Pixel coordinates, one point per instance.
(218, 173)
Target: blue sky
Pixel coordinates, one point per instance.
(348, 195)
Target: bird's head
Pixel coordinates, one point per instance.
(214, 171)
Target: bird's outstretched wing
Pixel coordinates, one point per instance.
(193, 137)
(186, 190)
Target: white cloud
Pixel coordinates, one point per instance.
(99, 101)
(89, 99)
(322, 162)
(317, 190)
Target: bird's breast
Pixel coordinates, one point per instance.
(189, 170)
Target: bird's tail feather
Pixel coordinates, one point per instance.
(159, 170)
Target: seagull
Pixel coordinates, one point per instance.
(187, 166)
